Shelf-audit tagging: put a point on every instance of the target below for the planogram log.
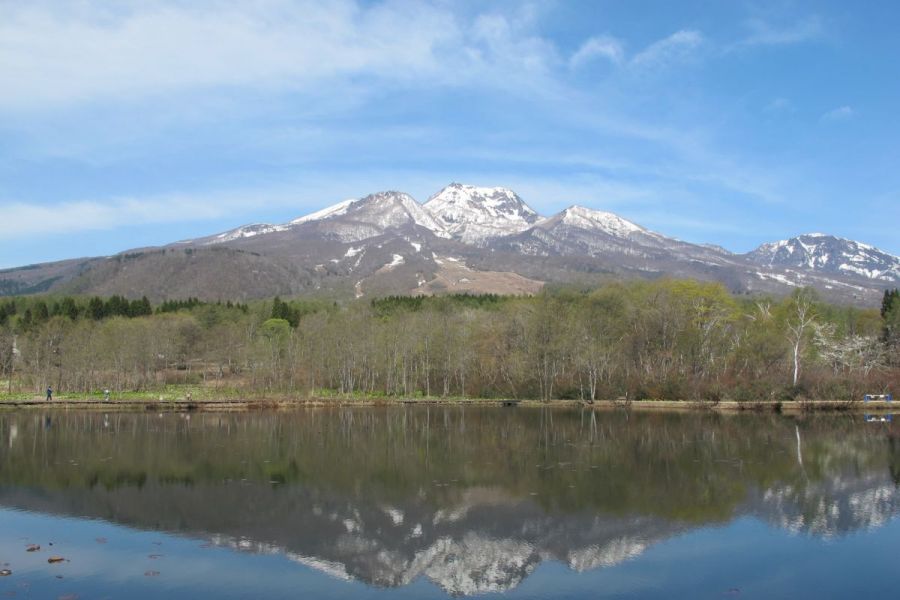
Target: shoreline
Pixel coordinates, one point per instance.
(282, 403)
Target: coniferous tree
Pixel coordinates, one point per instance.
(889, 297)
(96, 310)
(41, 312)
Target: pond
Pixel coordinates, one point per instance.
(433, 502)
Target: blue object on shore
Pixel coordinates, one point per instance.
(885, 397)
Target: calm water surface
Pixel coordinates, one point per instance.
(439, 502)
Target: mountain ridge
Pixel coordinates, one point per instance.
(464, 238)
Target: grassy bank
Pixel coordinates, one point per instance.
(184, 398)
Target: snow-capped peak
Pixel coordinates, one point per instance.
(586, 218)
(477, 214)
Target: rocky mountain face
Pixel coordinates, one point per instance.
(477, 215)
(463, 239)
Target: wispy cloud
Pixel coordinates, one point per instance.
(23, 220)
(763, 33)
(780, 105)
(664, 52)
(604, 46)
(841, 113)
(51, 57)
(677, 46)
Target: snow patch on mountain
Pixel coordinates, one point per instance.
(246, 231)
(332, 211)
(396, 261)
(777, 277)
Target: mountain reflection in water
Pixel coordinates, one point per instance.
(472, 499)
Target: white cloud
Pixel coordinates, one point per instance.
(841, 113)
(671, 49)
(780, 105)
(603, 46)
(22, 220)
(52, 56)
(677, 46)
(765, 34)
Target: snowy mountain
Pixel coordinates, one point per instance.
(463, 239)
(829, 254)
(475, 215)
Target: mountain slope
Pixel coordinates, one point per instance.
(376, 214)
(581, 231)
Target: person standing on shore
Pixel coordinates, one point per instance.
(49, 394)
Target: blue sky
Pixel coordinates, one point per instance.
(125, 124)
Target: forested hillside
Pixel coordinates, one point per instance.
(669, 339)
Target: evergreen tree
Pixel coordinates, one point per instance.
(69, 308)
(41, 312)
(283, 310)
(96, 310)
(140, 308)
(890, 316)
(890, 298)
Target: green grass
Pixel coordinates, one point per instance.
(168, 393)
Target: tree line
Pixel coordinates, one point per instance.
(666, 339)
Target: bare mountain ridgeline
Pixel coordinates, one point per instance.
(666, 339)
(463, 239)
